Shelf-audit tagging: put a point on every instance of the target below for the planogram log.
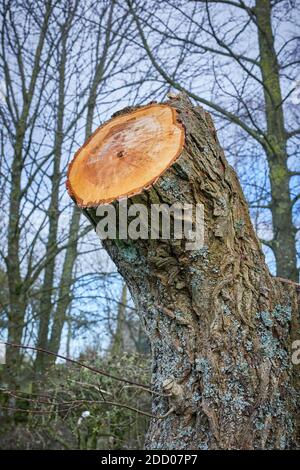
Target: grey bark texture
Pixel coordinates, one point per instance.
(220, 326)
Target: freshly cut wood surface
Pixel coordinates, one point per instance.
(125, 155)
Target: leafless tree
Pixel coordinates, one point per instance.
(63, 64)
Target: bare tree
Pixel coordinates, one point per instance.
(23, 103)
(46, 294)
(109, 46)
(53, 89)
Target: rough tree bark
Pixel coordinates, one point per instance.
(220, 326)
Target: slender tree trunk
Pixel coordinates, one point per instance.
(17, 296)
(46, 302)
(69, 337)
(218, 323)
(17, 304)
(284, 240)
(118, 338)
(64, 299)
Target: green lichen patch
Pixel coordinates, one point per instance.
(271, 346)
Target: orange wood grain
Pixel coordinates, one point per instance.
(125, 155)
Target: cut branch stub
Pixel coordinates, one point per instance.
(125, 156)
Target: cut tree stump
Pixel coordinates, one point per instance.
(220, 326)
(126, 155)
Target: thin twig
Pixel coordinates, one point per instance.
(80, 364)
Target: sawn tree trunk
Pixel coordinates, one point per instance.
(221, 327)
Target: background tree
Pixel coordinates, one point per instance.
(19, 60)
(48, 100)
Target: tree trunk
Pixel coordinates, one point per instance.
(64, 298)
(46, 302)
(219, 324)
(284, 237)
(17, 295)
(117, 346)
